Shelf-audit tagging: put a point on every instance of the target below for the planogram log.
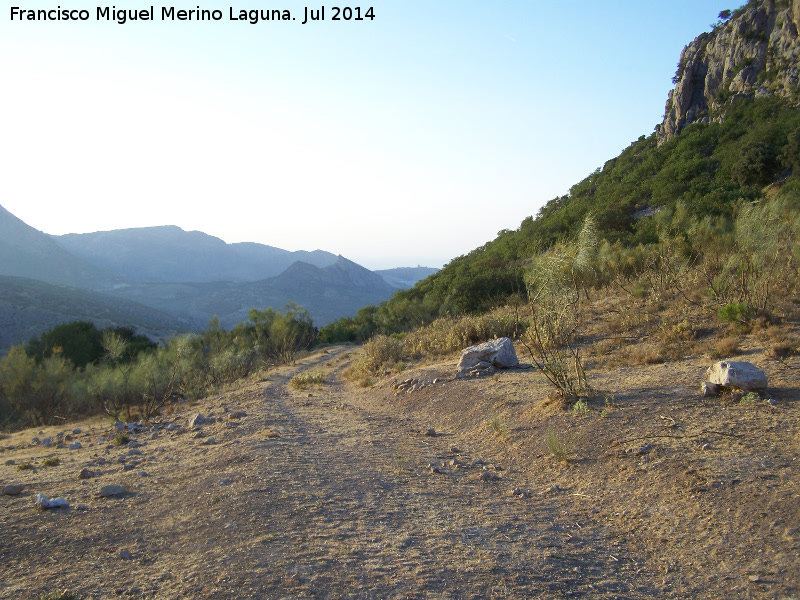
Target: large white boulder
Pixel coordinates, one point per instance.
(484, 357)
(742, 375)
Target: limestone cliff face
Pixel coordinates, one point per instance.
(756, 52)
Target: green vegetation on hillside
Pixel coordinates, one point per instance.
(709, 171)
(77, 369)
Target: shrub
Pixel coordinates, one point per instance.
(735, 312)
(499, 426)
(581, 407)
(51, 462)
(303, 380)
(560, 447)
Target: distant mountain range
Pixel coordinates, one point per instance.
(164, 280)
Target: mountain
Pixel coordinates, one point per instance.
(169, 254)
(27, 252)
(327, 293)
(405, 277)
(751, 52)
(29, 308)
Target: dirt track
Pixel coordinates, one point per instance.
(324, 493)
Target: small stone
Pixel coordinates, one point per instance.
(134, 452)
(128, 467)
(134, 444)
(172, 426)
(143, 474)
(754, 578)
(35, 440)
(552, 490)
(708, 389)
(434, 469)
(108, 491)
(101, 440)
(431, 432)
(44, 503)
(199, 434)
(154, 435)
(10, 462)
(13, 489)
(489, 476)
(771, 401)
(477, 462)
(455, 450)
(75, 446)
(209, 442)
(85, 474)
(118, 426)
(225, 481)
(125, 555)
(76, 431)
(46, 442)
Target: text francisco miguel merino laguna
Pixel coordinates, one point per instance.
(170, 13)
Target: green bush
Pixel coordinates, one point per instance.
(735, 312)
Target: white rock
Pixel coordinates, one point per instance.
(498, 353)
(742, 375)
(43, 502)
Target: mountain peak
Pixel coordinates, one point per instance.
(752, 52)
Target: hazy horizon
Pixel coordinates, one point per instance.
(406, 140)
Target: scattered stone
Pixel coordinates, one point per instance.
(199, 434)
(754, 579)
(431, 432)
(43, 502)
(199, 420)
(519, 493)
(742, 375)
(705, 446)
(35, 440)
(434, 468)
(101, 440)
(477, 462)
(10, 462)
(232, 424)
(75, 446)
(128, 467)
(119, 426)
(143, 474)
(172, 426)
(551, 490)
(154, 435)
(86, 474)
(209, 442)
(76, 431)
(771, 401)
(134, 444)
(240, 414)
(134, 452)
(46, 442)
(485, 358)
(455, 450)
(225, 481)
(489, 476)
(708, 389)
(108, 491)
(13, 489)
(125, 555)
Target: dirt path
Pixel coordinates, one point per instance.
(306, 497)
(335, 492)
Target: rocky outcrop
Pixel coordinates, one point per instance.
(754, 53)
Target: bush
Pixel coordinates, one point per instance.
(735, 312)
(303, 380)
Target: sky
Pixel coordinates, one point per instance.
(408, 139)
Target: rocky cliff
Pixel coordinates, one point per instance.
(753, 52)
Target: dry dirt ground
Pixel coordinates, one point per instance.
(338, 492)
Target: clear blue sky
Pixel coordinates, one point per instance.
(409, 139)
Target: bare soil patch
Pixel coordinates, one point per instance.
(335, 491)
